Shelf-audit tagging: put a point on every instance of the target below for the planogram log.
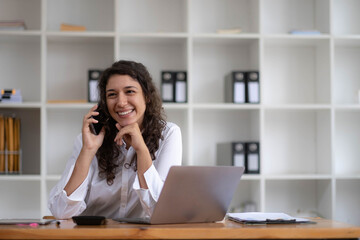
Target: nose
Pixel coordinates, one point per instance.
(122, 100)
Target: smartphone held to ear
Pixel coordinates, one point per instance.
(95, 128)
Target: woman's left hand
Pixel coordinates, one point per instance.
(131, 135)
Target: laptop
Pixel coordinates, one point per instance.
(14, 221)
(194, 194)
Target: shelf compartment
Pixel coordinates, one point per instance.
(297, 142)
(346, 89)
(282, 16)
(66, 126)
(303, 198)
(30, 137)
(221, 126)
(345, 17)
(68, 62)
(157, 54)
(347, 201)
(347, 137)
(152, 16)
(215, 58)
(12, 203)
(180, 118)
(220, 14)
(248, 192)
(297, 70)
(20, 59)
(29, 11)
(95, 15)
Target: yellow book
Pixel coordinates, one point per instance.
(17, 144)
(2, 144)
(6, 122)
(10, 143)
(229, 31)
(69, 27)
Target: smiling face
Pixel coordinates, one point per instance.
(125, 100)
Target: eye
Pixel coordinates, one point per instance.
(130, 92)
(110, 95)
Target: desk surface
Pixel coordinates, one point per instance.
(220, 230)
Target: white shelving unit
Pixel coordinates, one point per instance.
(308, 121)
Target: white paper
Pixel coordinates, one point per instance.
(239, 160)
(253, 92)
(94, 95)
(263, 217)
(180, 95)
(167, 92)
(239, 92)
(253, 162)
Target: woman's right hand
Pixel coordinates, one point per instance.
(91, 142)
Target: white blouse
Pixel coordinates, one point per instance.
(124, 198)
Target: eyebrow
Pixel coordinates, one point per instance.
(127, 87)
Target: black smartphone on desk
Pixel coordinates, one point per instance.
(95, 128)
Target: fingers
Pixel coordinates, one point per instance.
(119, 135)
(88, 119)
(130, 133)
(92, 112)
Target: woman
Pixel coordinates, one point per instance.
(119, 172)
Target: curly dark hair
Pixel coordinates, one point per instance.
(152, 125)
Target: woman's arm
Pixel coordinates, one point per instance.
(169, 154)
(91, 143)
(132, 136)
(67, 197)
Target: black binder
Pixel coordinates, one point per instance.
(94, 77)
(252, 87)
(231, 154)
(238, 150)
(174, 86)
(180, 86)
(167, 86)
(235, 87)
(252, 157)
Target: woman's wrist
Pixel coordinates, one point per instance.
(88, 153)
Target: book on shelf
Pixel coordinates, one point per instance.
(10, 96)
(305, 32)
(71, 27)
(229, 31)
(12, 25)
(10, 157)
(74, 101)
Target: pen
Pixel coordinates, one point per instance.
(29, 224)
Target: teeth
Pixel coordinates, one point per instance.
(124, 113)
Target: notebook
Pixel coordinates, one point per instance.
(194, 194)
(265, 218)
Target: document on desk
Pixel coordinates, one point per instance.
(264, 218)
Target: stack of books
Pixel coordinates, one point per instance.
(10, 159)
(10, 96)
(12, 25)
